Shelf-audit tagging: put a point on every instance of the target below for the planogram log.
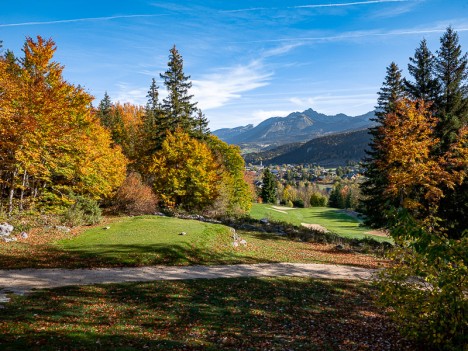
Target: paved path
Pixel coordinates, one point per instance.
(23, 280)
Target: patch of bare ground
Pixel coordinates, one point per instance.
(316, 227)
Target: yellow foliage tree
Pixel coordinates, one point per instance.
(185, 172)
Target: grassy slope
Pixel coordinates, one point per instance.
(151, 240)
(330, 218)
(215, 314)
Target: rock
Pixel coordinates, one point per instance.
(9, 240)
(182, 233)
(6, 229)
(106, 227)
(235, 244)
(243, 242)
(339, 247)
(62, 228)
(264, 221)
(24, 235)
(159, 214)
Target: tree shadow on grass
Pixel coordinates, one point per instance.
(109, 255)
(217, 314)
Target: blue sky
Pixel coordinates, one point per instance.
(248, 60)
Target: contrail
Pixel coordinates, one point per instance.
(75, 20)
(369, 2)
(347, 4)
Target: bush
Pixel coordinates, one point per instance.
(134, 197)
(426, 287)
(83, 211)
(298, 203)
(318, 200)
(289, 203)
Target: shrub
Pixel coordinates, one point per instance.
(289, 203)
(426, 287)
(134, 197)
(318, 200)
(298, 203)
(83, 211)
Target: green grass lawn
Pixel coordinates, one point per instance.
(215, 314)
(153, 240)
(331, 218)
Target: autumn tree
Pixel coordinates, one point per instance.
(432, 308)
(50, 144)
(186, 174)
(375, 202)
(235, 196)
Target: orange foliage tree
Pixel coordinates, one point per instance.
(50, 144)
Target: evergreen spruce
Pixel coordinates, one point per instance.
(105, 110)
(178, 106)
(268, 192)
(452, 102)
(154, 121)
(201, 125)
(451, 70)
(375, 203)
(421, 68)
(111, 119)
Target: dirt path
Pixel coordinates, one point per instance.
(24, 280)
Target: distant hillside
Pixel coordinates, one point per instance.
(256, 157)
(296, 127)
(331, 150)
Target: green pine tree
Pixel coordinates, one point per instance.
(451, 70)
(374, 202)
(155, 121)
(421, 68)
(201, 125)
(104, 111)
(452, 103)
(268, 192)
(178, 105)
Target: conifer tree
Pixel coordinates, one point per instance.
(104, 110)
(451, 70)
(155, 122)
(178, 106)
(268, 193)
(201, 125)
(375, 202)
(421, 68)
(452, 73)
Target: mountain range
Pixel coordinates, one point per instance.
(296, 127)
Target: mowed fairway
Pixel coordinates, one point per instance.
(153, 240)
(331, 218)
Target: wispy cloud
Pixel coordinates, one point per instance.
(89, 19)
(354, 3)
(333, 104)
(338, 4)
(356, 35)
(217, 89)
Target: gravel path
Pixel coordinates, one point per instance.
(21, 281)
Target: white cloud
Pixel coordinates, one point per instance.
(363, 34)
(131, 94)
(353, 104)
(216, 89)
(261, 115)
